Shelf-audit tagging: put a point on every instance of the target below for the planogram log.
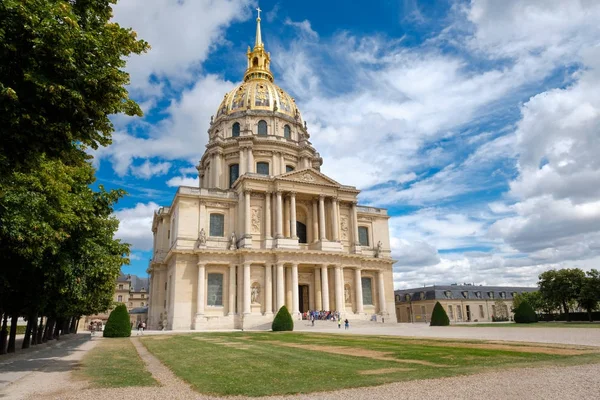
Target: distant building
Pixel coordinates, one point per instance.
(463, 303)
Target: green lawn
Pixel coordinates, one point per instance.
(535, 325)
(115, 363)
(259, 364)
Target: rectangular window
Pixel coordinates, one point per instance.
(493, 310)
(450, 312)
(217, 225)
(289, 168)
(481, 313)
(459, 313)
(120, 298)
(363, 235)
(214, 294)
(423, 312)
(262, 168)
(234, 173)
(120, 287)
(367, 291)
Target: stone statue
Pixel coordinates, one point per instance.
(212, 117)
(233, 241)
(378, 249)
(347, 295)
(275, 106)
(254, 293)
(305, 125)
(202, 238)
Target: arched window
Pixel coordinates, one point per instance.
(363, 235)
(255, 62)
(214, 293)
(217, 225)
(262, 168)
(287, 132)
(119, 298)
(289, 168)
(301, 232)
(262, 128)
(235, 130)
(234, 173)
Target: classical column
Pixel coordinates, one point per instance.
(280, 286)
(240, 217)
(339, 289)
(200, 294)
(247, 288)
(322, 218)
(293, 215)
(243, 161)
(286, 217)
(215, 170)
(274, 162)
(247, 229)
(315, 220)
(288, 289)
(325, 287)
(382, 307)
(279, 217)
(250, 160)
(240, 289)
(268, 215)
(231, 290)
(268, 289)
(218, 158)
(334, 220)
(358, 290)
(355, 224)
(295, 304)
(281, 164)
(318, 295)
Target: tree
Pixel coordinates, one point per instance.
(533, 298)
(439, 316)
(561, 287)
(118, 324)
(501, 313)
(524, 313)
(61, 76)
(283, 321)
(589, 295)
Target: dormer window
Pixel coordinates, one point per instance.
(503, 295)
(422, 295)
(448, 294)
(491, 295)
(478, 295)
(465, 294)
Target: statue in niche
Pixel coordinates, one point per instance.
(202, 238)
(233, 241)
(347, 295)
(254, 292)
(378, 249)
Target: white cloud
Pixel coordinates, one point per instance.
(304, 27)
(147, 170)
(183, 181)
(135, 225)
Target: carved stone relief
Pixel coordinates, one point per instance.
(307, 177)
(344, 226)
(255, 219)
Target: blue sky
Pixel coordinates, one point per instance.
(476, 123)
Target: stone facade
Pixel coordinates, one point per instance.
(265, 228)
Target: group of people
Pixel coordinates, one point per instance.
(140, 327)
(325, 316)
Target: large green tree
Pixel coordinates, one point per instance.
(561, 287)
(589, 296)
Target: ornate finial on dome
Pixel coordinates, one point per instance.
(258, 59)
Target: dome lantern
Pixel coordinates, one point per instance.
(259, 60)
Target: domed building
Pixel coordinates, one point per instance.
(265, 228)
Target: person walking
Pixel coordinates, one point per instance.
(346, 324)
(339, 323)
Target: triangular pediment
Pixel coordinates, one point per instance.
(309, 175)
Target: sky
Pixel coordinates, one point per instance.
(475, 123)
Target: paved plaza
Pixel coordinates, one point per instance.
(45, 373)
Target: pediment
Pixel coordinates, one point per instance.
(309, 175)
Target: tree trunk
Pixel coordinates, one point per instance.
(73, 323)
(48, 331)
(56, 334)
(13, 333)
(41, 330)
(77, 325)
(589, 311)
(34, 329)
(566, 308)
(3, 334)
(27, 338)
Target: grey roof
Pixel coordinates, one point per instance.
(138, 310)
(136, 283)
(461, 292)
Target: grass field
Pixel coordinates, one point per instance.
(259, 364)
(535, 325)
(115, 363)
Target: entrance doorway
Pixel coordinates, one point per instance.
(468, 313)
(303, 298)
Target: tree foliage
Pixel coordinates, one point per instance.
(560, 288)
(283, 321)
(589, 296)
(118, 324)
(524, 313)
(439, 316)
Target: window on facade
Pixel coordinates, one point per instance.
(235, 130)
(289, 168)
(503, 295)
(217, 225)
(287, 132)
(450, 312)
(120, 287)
(423, 311)
(262, 128)
(234, 173)
(119, 298)
(513, 294)
(301, 232)
(367, 291)
(142, 295)
(397, 299)
(465, 294)
(459, 313)
(448, 294)
(481, 313)
(214, 293)
(491, 295)
(262, 168)
(363, 235)
(478, 295)
(422, 295)
(493, 309)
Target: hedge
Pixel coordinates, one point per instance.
(439, 316)
(283, 321)
(525, 314)
(118, 324)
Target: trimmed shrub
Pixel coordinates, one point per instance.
(118, 324)
(283, 321)
(525, 314)
(439, 316)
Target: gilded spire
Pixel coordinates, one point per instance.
(258, 42)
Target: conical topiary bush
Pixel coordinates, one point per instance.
(118, 324)
(525, 314)
(439, 316)
(283, 320)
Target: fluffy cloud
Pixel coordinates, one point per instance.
(183, 181)
(147, 170)
(135, 225)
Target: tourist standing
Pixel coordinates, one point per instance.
(346, 324)
(339, 323)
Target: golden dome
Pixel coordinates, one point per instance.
(258, 92)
